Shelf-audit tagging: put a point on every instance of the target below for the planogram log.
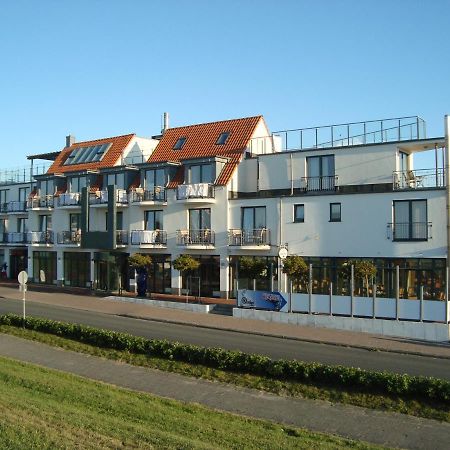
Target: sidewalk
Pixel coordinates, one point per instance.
(384, 428)
(303, 333)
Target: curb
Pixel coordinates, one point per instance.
(292, 338)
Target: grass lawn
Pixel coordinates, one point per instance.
(43, 409)
(431, 410)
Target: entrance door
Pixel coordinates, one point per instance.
(18, 261)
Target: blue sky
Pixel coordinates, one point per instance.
(101, 68)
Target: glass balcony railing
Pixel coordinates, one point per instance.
(419, 179)
(193, 191)
(40, 237)
(148, 237)
(154, 194)
(69, 237)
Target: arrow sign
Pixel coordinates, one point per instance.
(272, 301)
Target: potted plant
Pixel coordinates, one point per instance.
(185, 264)
(140, 264)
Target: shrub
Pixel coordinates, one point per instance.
(236, 361)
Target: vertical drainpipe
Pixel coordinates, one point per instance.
(447, 187)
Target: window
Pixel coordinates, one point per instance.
(179, 144)
(88, 154)
(222, 139)
(115, 178)
(335, 212)
(410, 220)
(320, 173)
(299, 213)
(23, 194)
(76, 184)
(45, 223)
(75, 221)
(200, 219)
(47, 187)
(202, 173)
(403, 161)
(3, 196)
(22, 225)
(254, 218)
(155, 177)
(153, 220)
(2, 225)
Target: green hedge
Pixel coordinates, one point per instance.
(384, 382)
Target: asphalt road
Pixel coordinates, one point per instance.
(270, 346)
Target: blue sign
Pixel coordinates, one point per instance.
(272, 301)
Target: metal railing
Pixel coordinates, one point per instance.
(328, 183)
(69, 199)
(13, 238)
(195, 237)
(418, 179)
(40, 237)
(342, 135)
(409, 231)
(239, 237)
(14, 206)
(101, 197)
(121, 237)
(45, 201)
(197, 190)
(69, 237)
(24, 174)
(143, 237)
(156, 194)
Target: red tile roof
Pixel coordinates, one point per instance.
(109, 159)
(201, 143)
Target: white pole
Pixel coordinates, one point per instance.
(397, 289)
(310, 289)
(352, 288)
(24, 290)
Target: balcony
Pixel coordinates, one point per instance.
(409, 231)
(69, 200)
(418, 179)
(319, 184)
(257, 239)
(157, 194)
(13, 238)
(40, 238)
(15, 207)
(196, 193)
(72, 238)
(196, 238)
(100, 198)
(43, 202)
(121, 238)
(149, 238)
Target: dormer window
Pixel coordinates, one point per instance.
(222, 139)
(179, 144)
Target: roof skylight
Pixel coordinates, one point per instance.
(179, 144)
(88, 154)
(222, 139)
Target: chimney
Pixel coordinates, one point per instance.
(70, 140)
(165, 122)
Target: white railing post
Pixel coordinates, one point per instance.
(421, 303)
(374, 298)
(352, 288)
(397, 290)
(331, 298)
(310, 289)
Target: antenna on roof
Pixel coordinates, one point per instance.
(165, 122)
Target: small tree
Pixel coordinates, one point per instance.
(252, 268)
(140, 264)
(185, 264)
(297, 270)
(365, 270)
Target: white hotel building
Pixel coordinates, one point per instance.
(221, 190)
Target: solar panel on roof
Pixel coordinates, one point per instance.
(87, 154)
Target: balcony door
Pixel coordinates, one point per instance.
(202, 173)
(200, 219)
(320, 173)
(45, 223)
(410, 220)
(254, 218)
(153, 220)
